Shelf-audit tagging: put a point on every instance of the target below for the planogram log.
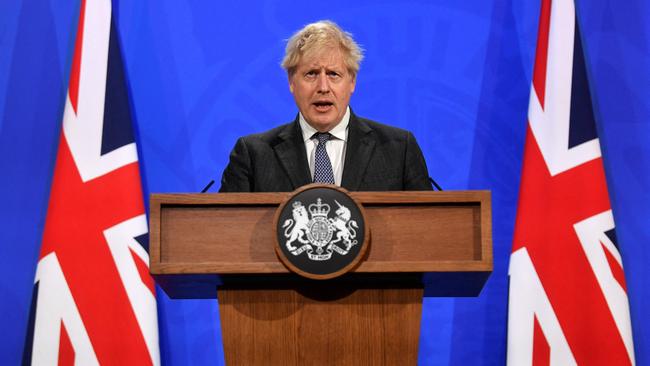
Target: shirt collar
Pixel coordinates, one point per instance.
(338, 131)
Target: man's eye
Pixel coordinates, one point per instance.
(311, 74)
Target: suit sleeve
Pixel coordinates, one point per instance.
(416, 176)
(237, 177)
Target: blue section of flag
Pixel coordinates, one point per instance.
(143, 240)
(29, 337)
(118, 130)
(582, 126)
(611, 234)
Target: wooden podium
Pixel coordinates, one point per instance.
(422, 244)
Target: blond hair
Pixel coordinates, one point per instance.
(319, 37)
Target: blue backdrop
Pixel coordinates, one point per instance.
(202, 73)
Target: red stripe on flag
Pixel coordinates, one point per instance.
(73, 88)
(539, 72)
(617, 270)
(66, 352)
(143, 271)
(541, 349)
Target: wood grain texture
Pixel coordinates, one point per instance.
(321, 325)
(232, 233)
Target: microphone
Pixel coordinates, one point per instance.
(210, 185)
(432, 182)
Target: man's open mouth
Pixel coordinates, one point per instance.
(323, 105)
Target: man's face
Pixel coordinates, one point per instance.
(321, 86)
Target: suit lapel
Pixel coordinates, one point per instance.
(358, 153)
(290, 150)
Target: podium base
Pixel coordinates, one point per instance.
(320, 324)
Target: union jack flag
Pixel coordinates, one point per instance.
(568, 302)
(94, 300)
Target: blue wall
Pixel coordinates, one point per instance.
(202, 73)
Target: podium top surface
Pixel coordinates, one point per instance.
(230, 234)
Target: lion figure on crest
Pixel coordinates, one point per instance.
(298, 231)
(344, 226)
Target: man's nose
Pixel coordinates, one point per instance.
(323, 83)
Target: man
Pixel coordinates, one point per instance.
(326, 142)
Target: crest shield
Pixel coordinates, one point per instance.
(321, 231)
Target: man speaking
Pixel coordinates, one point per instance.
(327, 142)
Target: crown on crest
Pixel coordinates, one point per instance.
(319, 208)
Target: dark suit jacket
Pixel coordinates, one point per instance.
(377, 158)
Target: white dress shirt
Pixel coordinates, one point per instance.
(335, 146)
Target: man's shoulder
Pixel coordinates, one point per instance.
(382, 130)
(271, 136)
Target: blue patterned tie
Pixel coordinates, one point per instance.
(322, 165)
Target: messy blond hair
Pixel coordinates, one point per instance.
(319, 37)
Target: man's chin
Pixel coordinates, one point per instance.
(322, 123)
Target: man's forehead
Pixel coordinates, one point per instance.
(330, 59)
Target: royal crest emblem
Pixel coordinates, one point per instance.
(321, 232)
(311, 230)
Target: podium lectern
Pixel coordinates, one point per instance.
(422, 244)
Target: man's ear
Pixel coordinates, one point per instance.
(291, 83)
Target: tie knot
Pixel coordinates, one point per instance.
(322, 137)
